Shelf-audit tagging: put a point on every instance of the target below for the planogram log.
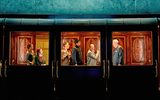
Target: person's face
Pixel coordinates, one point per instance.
(30, 49)
(92, 46)
(31, 46)
(41, 51)
(67, 46)
(115, 44)
(79, 43)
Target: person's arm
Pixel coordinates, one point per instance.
(91, 55)
(74, 56)
(35, 60)
(27, 56)
(97, 54)
(120, 54)
(63, 55)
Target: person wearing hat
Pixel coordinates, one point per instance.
(76, 53)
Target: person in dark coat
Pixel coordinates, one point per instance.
(76, 54)
(29, 55)
(118, 53)
(39, 59)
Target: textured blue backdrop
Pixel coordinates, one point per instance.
(79, 6)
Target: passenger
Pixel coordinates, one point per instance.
(76, 54)
(30, 54)
(39, 59)
(118, 53)
(92, 56)
(65, 54)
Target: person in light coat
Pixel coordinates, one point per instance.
(92, 56)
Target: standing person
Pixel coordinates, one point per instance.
(118, 53)
(77, 53)
(39, 59)
(29, 55)
(92, 56)
(65, 54)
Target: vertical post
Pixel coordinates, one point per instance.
(157, 62)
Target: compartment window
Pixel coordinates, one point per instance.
(29, 48)
(80, 48)
(132, 48)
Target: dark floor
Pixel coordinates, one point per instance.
(72, 90)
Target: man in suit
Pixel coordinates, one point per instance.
(76, 53)
(118, 53)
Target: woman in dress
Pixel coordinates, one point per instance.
(39, 59)
(65, 54)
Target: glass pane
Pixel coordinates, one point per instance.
(132, 48)
(29, 48)
(80, 48)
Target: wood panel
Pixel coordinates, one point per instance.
(22, 42)
(138, 48)
(19, 42)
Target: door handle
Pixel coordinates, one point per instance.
(156, 67)
(104, 68)
(0, 68)
(54, 83)
(108, 68)
(5, 69)
(57, 70)
(52, 69)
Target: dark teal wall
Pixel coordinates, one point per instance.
(80, 7)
